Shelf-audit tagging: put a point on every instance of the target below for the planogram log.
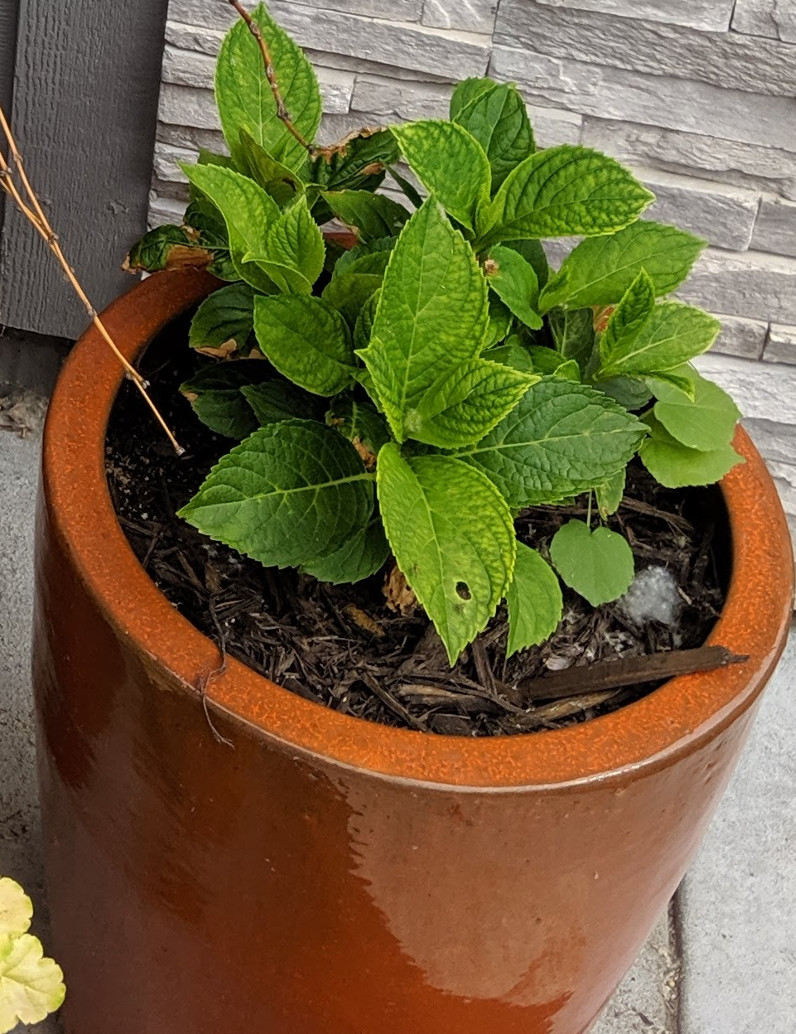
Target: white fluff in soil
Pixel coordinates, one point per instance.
(653, 596)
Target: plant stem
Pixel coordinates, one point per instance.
(37, 217)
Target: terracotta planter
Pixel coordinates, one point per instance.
(321, 874)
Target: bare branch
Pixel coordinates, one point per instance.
(37, 217)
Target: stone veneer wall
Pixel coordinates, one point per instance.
(696, 95)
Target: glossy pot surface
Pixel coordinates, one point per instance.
(305, 872)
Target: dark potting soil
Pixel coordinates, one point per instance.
(341, 646)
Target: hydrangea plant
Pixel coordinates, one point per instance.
(31, 986)
(437, 378)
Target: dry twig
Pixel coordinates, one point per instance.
(32, 210)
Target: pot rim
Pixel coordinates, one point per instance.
(672, 719)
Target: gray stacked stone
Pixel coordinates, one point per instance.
(696, 95)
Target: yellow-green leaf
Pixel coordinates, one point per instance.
(600, 269)
(306, 340)
(432, 313)
(451, 165)
(466, 402)
(565, 191)
(16, 908)
(514, 281)
(245, 99)
(453, 537)
(673, 334)
(248, 212)
(495, 114)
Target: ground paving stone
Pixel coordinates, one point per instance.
(738, 902)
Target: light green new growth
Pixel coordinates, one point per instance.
(418, 390)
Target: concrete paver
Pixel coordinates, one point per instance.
(20, 829)
(738, 901)
(646, 1000)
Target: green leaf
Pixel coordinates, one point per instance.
(289, 493)
(453, 538)
(600, 269)
(245, 99)
(495, 114)
(513, 353)
(534, 601)
(706, 423)
(514, 281)
(534, 254)
(369, 216)
(361, 556)
(629, 392)
(358, 422)
(465, 403)
(166, 247)
(561, 439)
(360, 163)
(672, 335)
(275, 178)
(224, 317)
(451, 165)
(548, 362)
(674, 465)
(306, 340)
(349, 292)
(610, 495)
(432, 314)
(31, 986)
(573, 334)
(680, 379)
(248, 212)
(466, 92)
(565, 191)
(217, 399)
(16, 908)
(273, 401)
(500, 321)
(597, 564)
(208, 157)
(206, 224)
(293, 251)
(628, 318)
(363, 328)
(366, 258)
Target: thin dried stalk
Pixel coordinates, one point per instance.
(32, 210)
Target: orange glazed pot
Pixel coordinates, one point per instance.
(319, 874)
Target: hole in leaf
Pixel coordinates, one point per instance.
(463, 590)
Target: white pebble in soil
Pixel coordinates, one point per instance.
(653, 596)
